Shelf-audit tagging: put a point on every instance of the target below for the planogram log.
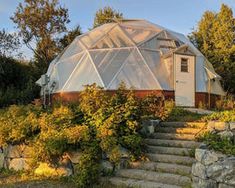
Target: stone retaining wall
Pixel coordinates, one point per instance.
(213, 169)
(20, 157)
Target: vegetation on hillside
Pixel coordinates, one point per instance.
(214, 36)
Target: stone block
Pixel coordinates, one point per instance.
(222, 185)
(18, 164)
(210, 126)
(106, 167)
(124, 152)
(75, 156)
(12, 151)
(226, 134)
(199, 170)
(232, 126)
(207, 157)
(223, 171)
(202, 183)
(221, 126)
(2, 160)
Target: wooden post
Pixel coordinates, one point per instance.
(209, 94)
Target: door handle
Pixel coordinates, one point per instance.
(177, 81)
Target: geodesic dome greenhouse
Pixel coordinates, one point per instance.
(136, 52)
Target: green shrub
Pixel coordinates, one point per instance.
(226, 116)
(87, 172)
(218, 143)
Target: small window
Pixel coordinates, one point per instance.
(184, 65)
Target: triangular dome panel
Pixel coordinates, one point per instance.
(90, 38)
(115, 38)
(108, 62)
(135, 73)
(74, 48)
(84, 74)
(139, 35)
(66, 67)
(163, 71)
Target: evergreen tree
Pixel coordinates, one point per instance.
(215, 38)
(106, 15)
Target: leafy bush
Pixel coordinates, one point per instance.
(227, 115)
(18, 124)
(218, 143)
(226, 103)
(99, 123)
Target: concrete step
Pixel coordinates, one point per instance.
(127, 182)
(170, 150)
(173, 136)
(174, 179)
(173, 143)
(162, 167)
(176, 159)
(184, 130)
(184, 124)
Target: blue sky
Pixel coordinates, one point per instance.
(177, 15)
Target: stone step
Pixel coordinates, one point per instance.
(176, 159)
(173, 136)
(184, 124)
(162, 167)
(184, 130)
(134, 183)
(174, 179)
(170, 150)
(173, 143)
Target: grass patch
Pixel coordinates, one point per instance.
(179, 114)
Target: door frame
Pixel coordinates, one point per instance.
(174, 73)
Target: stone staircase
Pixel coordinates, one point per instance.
(170, 153)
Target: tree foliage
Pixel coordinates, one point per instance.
(40, 22)
(8, 43)
(17, 81)
(215, 38)
(106, 15)
(69, 37)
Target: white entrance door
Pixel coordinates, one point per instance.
(184, 80)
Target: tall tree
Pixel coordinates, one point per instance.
(40, 23)
(69, 37)
(106, 15)
(215, 38)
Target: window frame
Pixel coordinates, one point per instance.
(186, 65)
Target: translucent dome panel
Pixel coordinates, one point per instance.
(74, 48)
(141, 24)
(89, 39)
(66, 67)
(135, 73)
(115, 38)
(162, 70)
(108, 62)
(158, 43)
(139, 35)
(84, 74)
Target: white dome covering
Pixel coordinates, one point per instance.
(133, 51)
